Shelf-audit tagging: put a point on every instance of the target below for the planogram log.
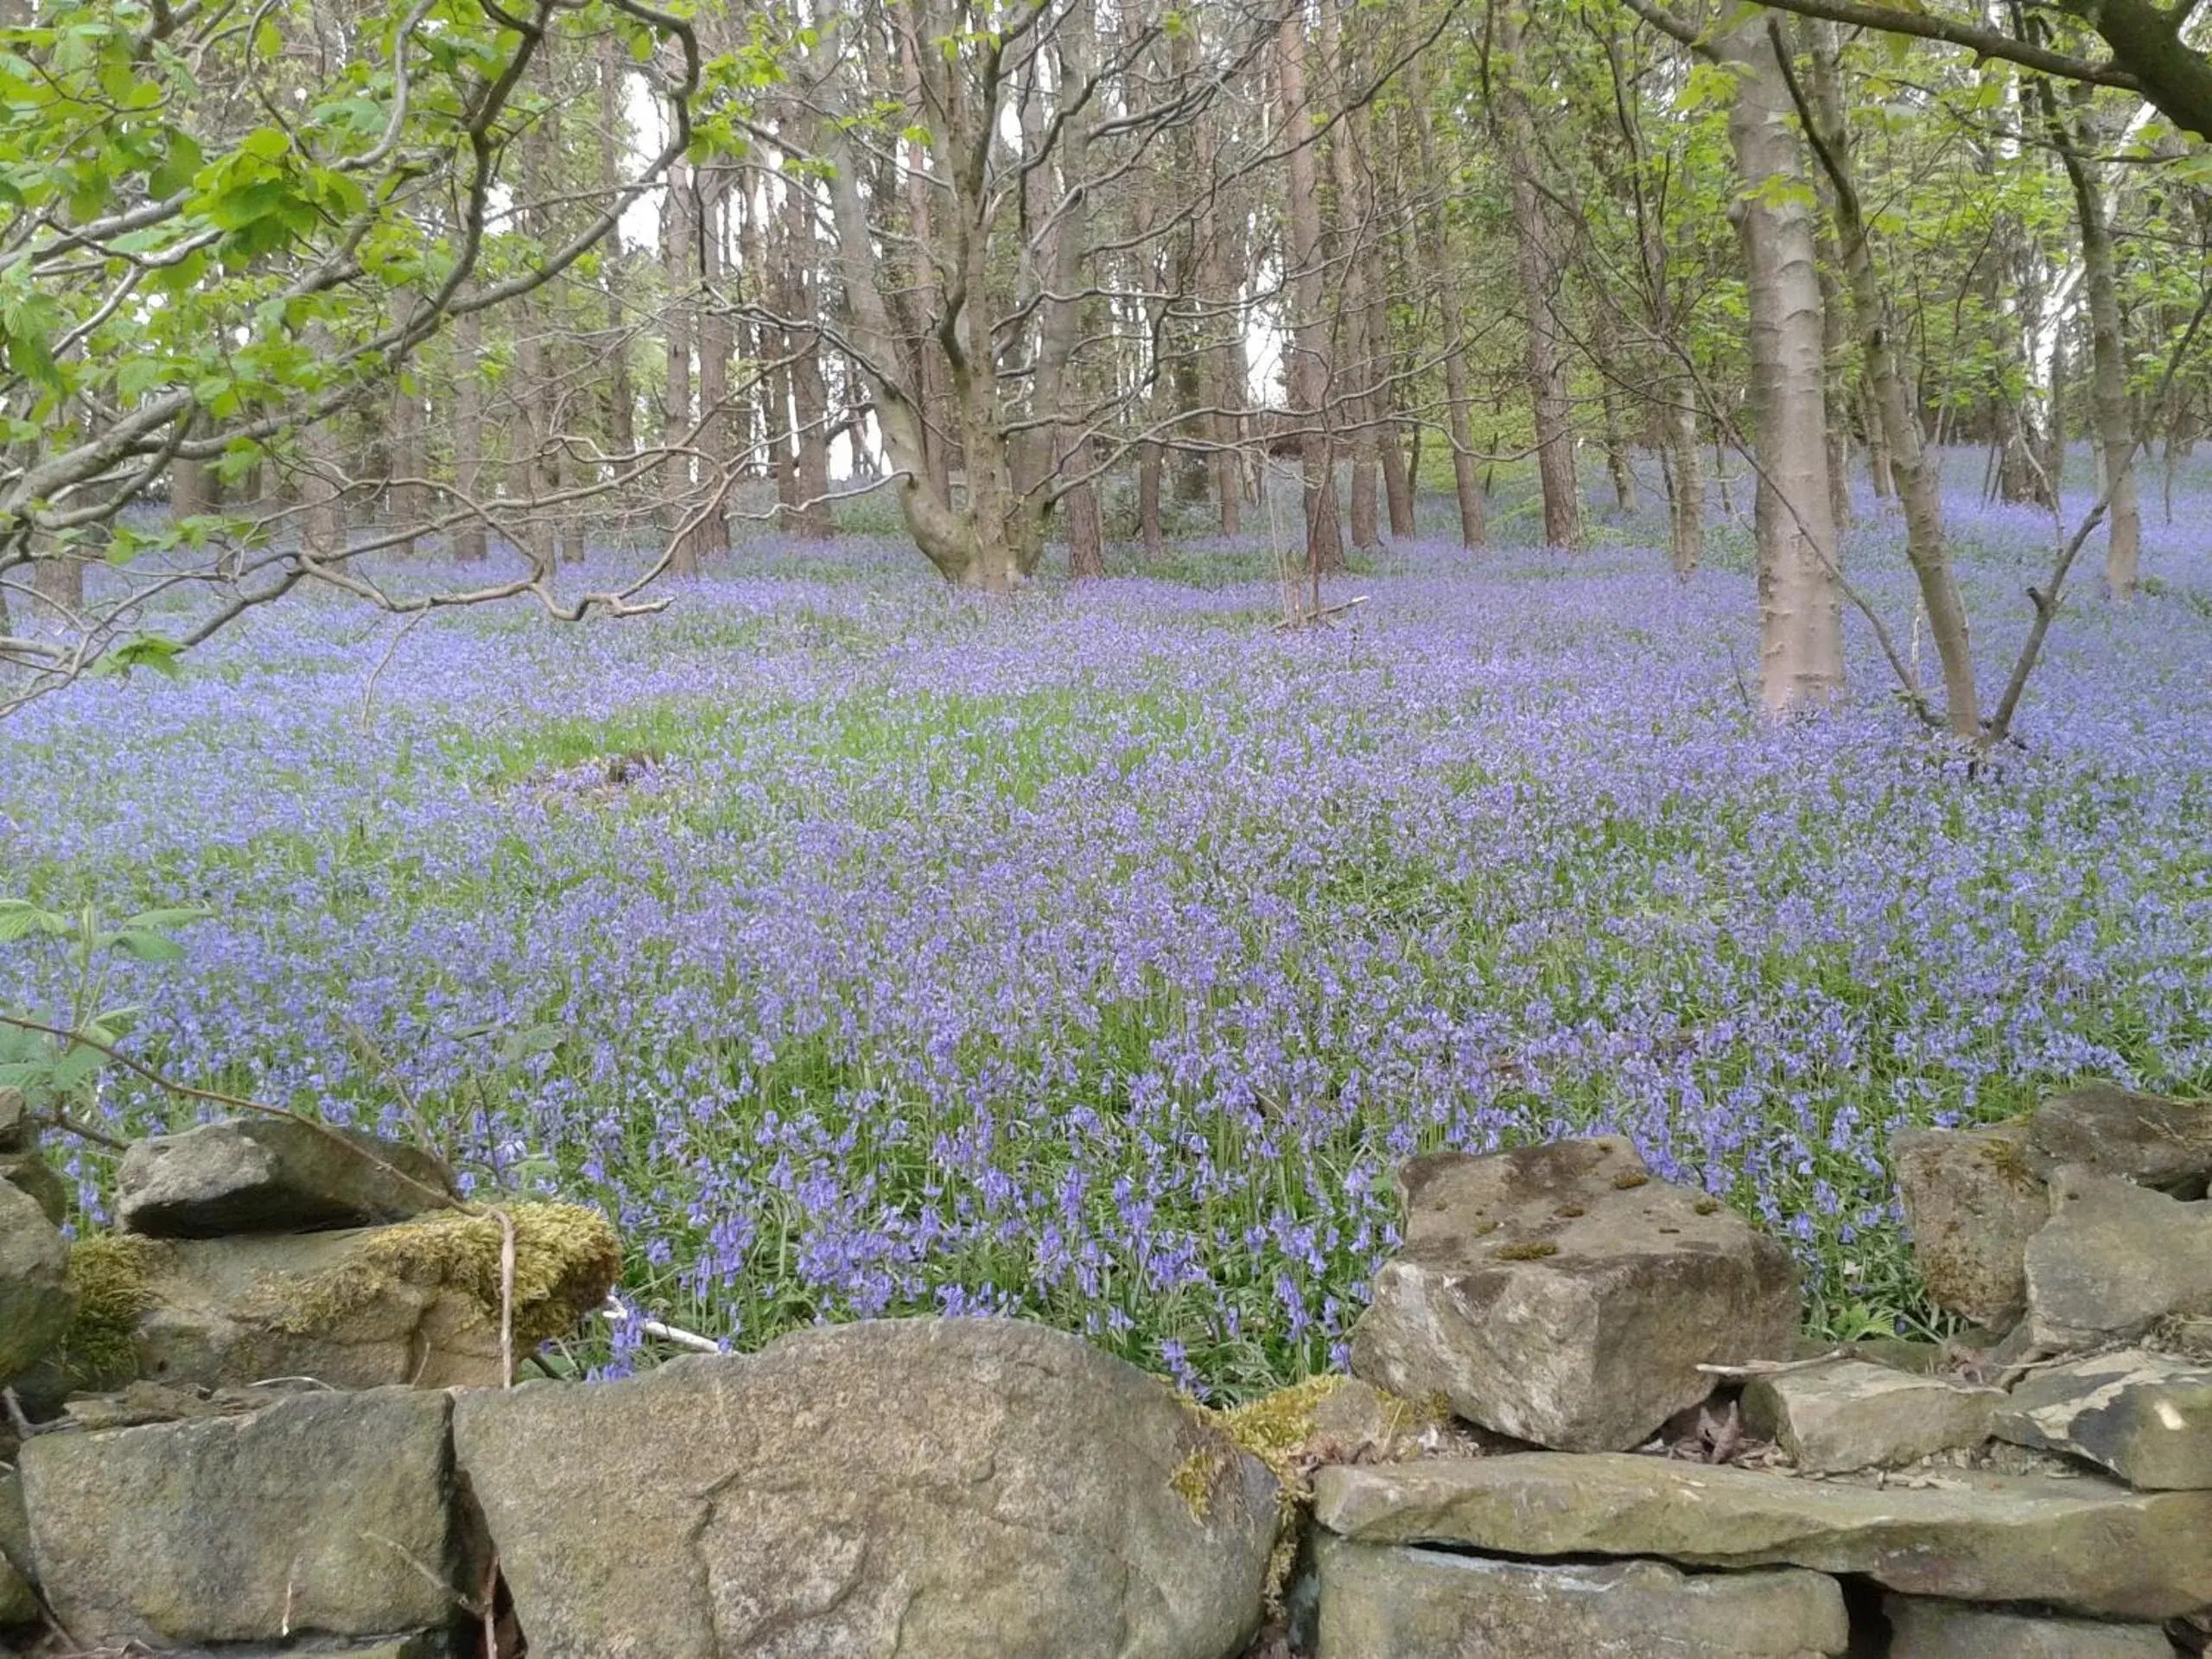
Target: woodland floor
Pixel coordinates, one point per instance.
(1098, 955)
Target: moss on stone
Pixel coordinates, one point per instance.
(113, 1276)
(1532, 1252)
(567, 1258)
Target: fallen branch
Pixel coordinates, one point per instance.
(675, 1335)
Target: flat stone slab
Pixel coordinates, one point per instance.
(1562, 1294)
(1971, 1201)
(1847, 1414)
(1921, 1628)
(1387, 1601)
(272, 1175)
(904, 1489)
(328, 1513)
(2146, 1417)
(2152, 1140)
(2084, 1545)
(2115, 1260)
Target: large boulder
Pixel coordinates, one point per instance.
(2079, 1543)
(900, 1490)
(17, 1130)
(1921, 1628)
(1560, 1295)
(36, 1301)
(2146, 1417)
(417, 1302)
(1395, 1603)
(2115, 1260)
(272, 1175)
(1848, 1415)
(329, 1513)
(1971, 1201)
(2151, 1139)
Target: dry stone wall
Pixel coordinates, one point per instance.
(271, 1416)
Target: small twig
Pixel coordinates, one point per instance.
(675, 1335)
(506, 1299)
(1312, 617)
(369, 688)
(1774, 1367)
(69, 1125)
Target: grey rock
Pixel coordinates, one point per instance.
(32, 1176)
(1560, 1294)
(1380, 1601)
(2115, 1260)
(272, 1174)
(35, 1301)
(902, 1490)
(2081, 1544)
(18, 1604)
(14, 1524)
(17, 1130)
(1972, 1200)
(1921, 1628)
(356, 1308)
(2146, 1417)
(2152, 1140)
(410, 1644)
(327, 1512)
(1848, 1415)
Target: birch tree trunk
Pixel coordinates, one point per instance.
(2115, 426)
(1800, 599)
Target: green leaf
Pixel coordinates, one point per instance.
(79, 1064)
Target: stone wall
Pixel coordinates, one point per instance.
(272, 1415)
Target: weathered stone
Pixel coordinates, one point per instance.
(903, 1489)
(1848, 1415)
(272, 1175)
(36, 1301)
(2082, 1544)
(2115, 1260)
(1921, 1628)
(2149, 1139)
(1560, 1294)
(32, 1176)
(17, 1129)
(2146, 1417)
(1971, 1201)
(412, 1644)
(329, 1513)
(1382, 1601)
(417, 1302)
(18, 1605)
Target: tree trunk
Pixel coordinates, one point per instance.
(1541, 271)
(621, 397)
(405, 494)
(1306, 366)
(1917, 470)
(468, 541)
(322, 530)
(2116, 427)
(1431, 240)
(1801, 600)
(675, 244)
(714, 336)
